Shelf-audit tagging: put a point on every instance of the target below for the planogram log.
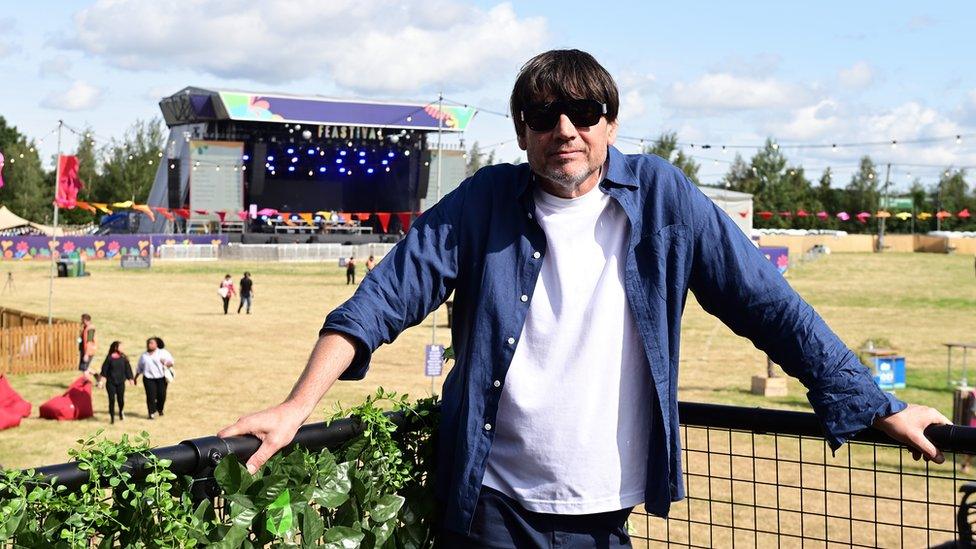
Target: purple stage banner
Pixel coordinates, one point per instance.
(777, 255)
(23, 248)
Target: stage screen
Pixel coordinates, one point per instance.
(216, 178)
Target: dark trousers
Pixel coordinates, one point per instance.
(226, 302)
(499, 521)
(155, 394)
(350, 276)
(116, 393)
(245, 302)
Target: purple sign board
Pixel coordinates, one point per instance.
(25, 248)
(777, 255)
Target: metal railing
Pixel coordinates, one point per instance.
(753, 477)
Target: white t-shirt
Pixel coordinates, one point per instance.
(151, 364)
(572, 430)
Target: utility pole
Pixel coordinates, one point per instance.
(437, 198)
(884, 201)
(57, 179)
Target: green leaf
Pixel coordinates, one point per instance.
(280, 517)
(235, 536)
(231, 475)
(266, 489)
(342, 537)
(312, 526)
(386, 508)
(334, 490)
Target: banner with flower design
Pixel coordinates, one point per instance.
(96, 247)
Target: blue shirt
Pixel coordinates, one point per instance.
(482, 243)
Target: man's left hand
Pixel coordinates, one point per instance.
(908, 427)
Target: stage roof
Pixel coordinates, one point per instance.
(193, 105)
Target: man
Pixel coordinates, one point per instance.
(86, 344)
(569, 277)
(247, 293)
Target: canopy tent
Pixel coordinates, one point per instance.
(737, 205)
(9, 221)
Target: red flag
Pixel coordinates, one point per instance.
(182, 212)
(802, 213)
(404, 218)
(243, 214)
(766, 215)
(822, 215)
(144, 209)
(164, 212)
(964, 213)
(384, 218)
(221, 214)
(68, 182)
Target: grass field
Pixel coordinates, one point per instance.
(230, 365)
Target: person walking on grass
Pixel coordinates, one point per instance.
(87, 345)
(247, 293)
(370, 264)
(226, 290)
(569, 282)
(116, 372)
(153, 366)
(350, 271)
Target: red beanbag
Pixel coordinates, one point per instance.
(8, 419)
(75, 403)
(12, 403)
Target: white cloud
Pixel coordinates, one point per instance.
(858, 76)
(55, 66)
(369, 45)
(80, 96)
(811, 122)
(728, 92)
(919, 22)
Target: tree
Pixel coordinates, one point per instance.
(952, 195)
(28, 189)
(478, 159)
(666, 146)
(130, 164)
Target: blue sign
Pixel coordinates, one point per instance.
(434, 362)
(889, 372)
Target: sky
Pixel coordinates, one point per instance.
(718, 73)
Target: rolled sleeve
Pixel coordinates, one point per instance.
(411, 281)
(733, 280)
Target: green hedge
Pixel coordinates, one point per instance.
(374, 492)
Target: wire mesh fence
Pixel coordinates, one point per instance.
(787, 489)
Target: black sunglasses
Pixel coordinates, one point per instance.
(543, 117)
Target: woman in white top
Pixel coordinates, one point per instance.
(153, 365)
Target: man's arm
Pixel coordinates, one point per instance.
(276, 426)
(733, 281)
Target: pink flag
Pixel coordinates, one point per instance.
(68, 182)
(1, 170)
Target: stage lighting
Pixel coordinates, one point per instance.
(384, 162)
(270, 158)
(362, 153)
(294, 159)
(362, 161)
(370, 170)
(311, 151)
(342, 170)
(307, 134)
(246, 157)
(406, 152)
(391, 154)
(338, 161)
(291, 168)
(291, 150)
(322, 169)
(342, 153)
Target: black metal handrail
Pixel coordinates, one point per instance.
(199, 456)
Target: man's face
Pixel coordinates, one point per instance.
(567, 156)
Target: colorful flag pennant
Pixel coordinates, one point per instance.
(68, 182)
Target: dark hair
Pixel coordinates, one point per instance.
(247, 274)
(563, 74)
(227, 275)
(114, 348)
(159, 342)
(85, 316)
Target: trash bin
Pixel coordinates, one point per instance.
(62, 268)
(71, 266)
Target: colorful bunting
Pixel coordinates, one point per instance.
(144, 209)
(86, 206)
(404, 218)
(307, 217)
(964, 214)
(882, 214)
(766, 215)
(802, 213)
(923, 216)
(384, 218)
(844, 216)
(126, 204)
(943, 215)
(822, 215)
(68, 182)
(903, 215)
(1, 170)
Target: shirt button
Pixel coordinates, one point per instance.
(511, 341)
(536, 255)
(524, 298)
(487, 426)
(497, 383)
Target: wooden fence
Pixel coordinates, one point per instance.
(28, 345)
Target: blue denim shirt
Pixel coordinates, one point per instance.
(482, 243)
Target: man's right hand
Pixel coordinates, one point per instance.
(276, 427)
